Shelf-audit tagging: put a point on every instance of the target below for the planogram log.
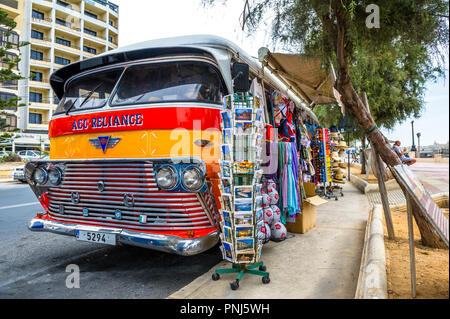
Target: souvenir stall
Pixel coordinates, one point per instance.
(274, 157)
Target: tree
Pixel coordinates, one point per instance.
(7, 74)
(386, 48)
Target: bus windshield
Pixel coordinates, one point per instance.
(184, 81)
(90, 91)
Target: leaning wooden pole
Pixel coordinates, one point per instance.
(381, 185)
(412, 256)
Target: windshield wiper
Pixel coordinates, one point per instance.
(85, 99)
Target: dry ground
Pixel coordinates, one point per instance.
(432, 265)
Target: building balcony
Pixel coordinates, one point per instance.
(38, 127)
(46, 104)
(42, 63)
(72, 48)
(47, 42)
(67, 27)
(46, 21)
(44, 83)
(95, 38)
(68, 8)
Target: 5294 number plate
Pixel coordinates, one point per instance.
(96, 237)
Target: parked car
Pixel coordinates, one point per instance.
(18, 174)
(426, 154)
(28, 155)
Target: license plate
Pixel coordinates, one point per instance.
(96, 237)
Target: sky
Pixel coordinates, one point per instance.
(142, 20)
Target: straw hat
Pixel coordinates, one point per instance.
(342, 144)
(339, 175)
(343, 165)
(335, 156)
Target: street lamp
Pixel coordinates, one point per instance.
(413, 147)
(418, 145)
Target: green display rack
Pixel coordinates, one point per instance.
(242, 269)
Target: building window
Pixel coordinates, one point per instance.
(64, 4)
(90, 14)
(37, 76)
(37, 15)
(10, 84)
(37, 35)
(13, 37)
(62, 61)
(7, 97)
(63, 42)
(11, 57)
(35, 97)
(62, 22)
(35, 118)
(36, 55)
(111, 23)
(89, 49)
(87, 31)
(9, 121)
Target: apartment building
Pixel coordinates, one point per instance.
(59, 32)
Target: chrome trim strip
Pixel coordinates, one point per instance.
(107, 195)
(96, 191)
(150, 209)
(116, 223)
(130, 221)
(103, 174)
(165, 243)
(54, 207)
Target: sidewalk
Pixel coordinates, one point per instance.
(323, 263)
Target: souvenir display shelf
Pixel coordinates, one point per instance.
(337, 178)
(323, 162)
(240, 174)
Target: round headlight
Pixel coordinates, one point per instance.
(55, 176)
(192, 179)
(166, 177)
(40, 175)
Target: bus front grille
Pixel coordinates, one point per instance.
(124, 194)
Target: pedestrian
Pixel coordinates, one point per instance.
(401, 153)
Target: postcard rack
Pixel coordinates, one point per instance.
(240, 174)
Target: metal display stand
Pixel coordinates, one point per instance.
(242, 269)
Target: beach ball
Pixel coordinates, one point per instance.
(268, 215)
(264, 234)
(278, 231)
(276, 213)
(274, 197)
(271, 185)
(266, 200)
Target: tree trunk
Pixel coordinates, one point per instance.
(354, 104)
(428, 234)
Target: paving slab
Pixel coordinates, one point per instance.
(324, 263)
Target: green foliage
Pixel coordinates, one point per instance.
(12, 157)
(391, 64)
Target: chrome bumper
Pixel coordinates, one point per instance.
(169, 244)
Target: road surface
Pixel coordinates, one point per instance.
(33, 265)
(434, 176)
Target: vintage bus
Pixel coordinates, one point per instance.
(134, 144)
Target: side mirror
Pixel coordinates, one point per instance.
(240, 72)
